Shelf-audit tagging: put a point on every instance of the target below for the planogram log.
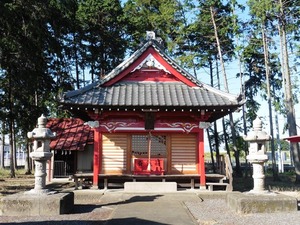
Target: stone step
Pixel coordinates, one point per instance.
(211, 185)
(150, 186)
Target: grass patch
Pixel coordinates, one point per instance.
(23, 182)
(20, 173)
(286, 182)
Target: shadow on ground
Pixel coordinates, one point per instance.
(87, 208)
(129, 221)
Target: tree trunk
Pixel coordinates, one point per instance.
(245, 144)
(2, 147)
(210, 145)
(291, 121)
(225, 139)
(14, 147)
(216, 136)
(233, 132)
(11, 146)
(211, 152)
(266, 59)
(27, 161)
(76, 60)
(10, 126)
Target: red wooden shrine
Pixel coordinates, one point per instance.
(149, 109)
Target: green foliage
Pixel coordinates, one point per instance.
(165, 17)
(102, 22)
(25, 82)
(200, 39)
(285, 145)
(43, 43)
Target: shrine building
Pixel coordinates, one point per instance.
(149, 116)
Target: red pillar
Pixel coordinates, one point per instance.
(201, 161)
(97, 157)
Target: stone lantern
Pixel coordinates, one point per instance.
(41, 153)
(257, 139)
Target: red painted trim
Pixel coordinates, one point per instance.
(148, 75)
(293, 139)
(162, 115)
(156, 55)
(97, 157)
(139, 113)
(124, 126)
(128, 69)
(172, 70)
(201, 161)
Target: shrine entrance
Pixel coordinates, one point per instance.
(149, 153)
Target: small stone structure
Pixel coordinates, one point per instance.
(41, 154)
(259, 200)
(38, 201)
(257, 154)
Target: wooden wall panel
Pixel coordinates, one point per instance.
(85, 159)
(183, 153)
(114, 153)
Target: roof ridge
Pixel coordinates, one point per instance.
(220, 92)
(126, 63)
(73, 93)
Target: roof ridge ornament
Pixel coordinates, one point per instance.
(151, 63)
(150, 35)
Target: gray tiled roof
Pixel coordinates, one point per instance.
(150, 94)
(115, 72)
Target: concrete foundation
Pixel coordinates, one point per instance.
(150, 186)
(261, 203)
(23, 204)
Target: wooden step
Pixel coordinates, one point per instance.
(211, 185)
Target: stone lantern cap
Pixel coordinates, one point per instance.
(257, 134)
(41, 132)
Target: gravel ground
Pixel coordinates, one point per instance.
(222, 215)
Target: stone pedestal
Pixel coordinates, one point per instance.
(37, 205)
(258, 176)
(246, 203)
(40, 172)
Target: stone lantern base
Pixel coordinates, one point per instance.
(23, 204)
(246, 203)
